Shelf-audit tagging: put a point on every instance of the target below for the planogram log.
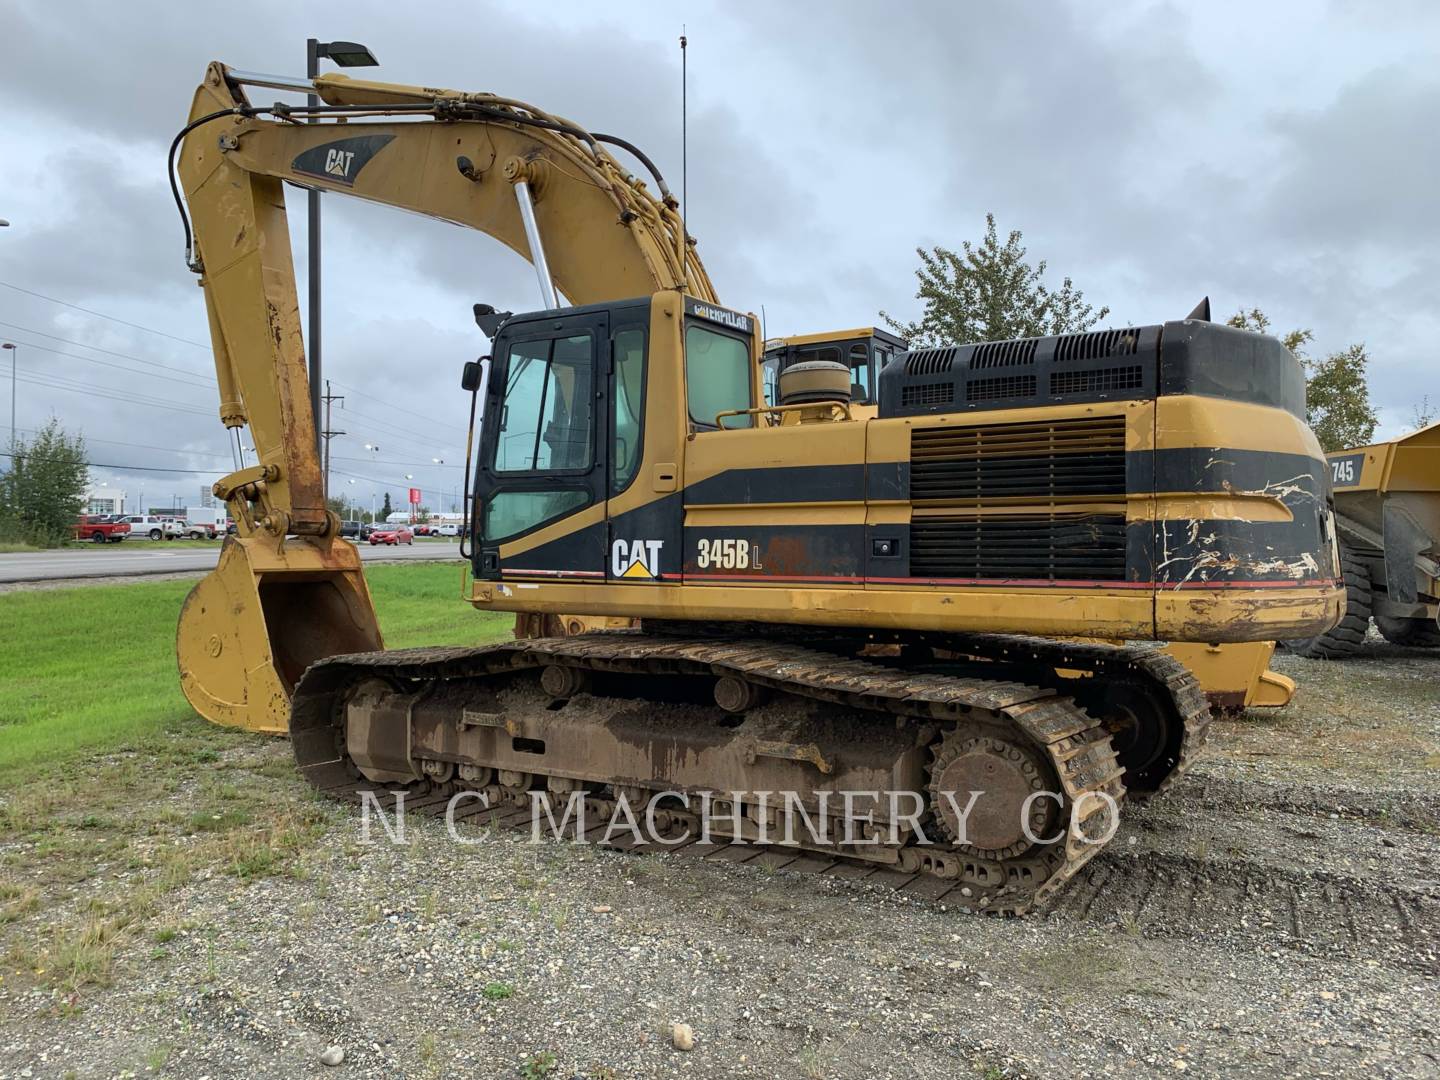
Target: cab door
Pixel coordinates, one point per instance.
(541, 482)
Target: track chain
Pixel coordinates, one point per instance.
(1076, 745)
(1173, 678)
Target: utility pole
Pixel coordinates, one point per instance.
(329, 433)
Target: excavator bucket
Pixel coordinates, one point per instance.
(266, 612)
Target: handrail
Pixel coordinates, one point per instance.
(755, 410)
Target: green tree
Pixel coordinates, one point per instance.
(988, 292)
(1337, 391)
(422, 514)
(1422, 413)
(386, 511)
(44, 489)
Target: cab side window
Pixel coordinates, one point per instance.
(717, 377)
(860, 389)
(628, 395)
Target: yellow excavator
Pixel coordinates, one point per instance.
(848, 610)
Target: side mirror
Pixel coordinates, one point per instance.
(470, 377)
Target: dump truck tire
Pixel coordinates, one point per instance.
(1416, 633)
(1348, 635)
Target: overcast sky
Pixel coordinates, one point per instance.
(1279, 155)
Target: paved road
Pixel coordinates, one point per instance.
(135, 557)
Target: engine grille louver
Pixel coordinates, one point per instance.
(930, 361)
(1097, 345)
(1088, 548)
(1031, 500)
(1100, 365)
(1004, 353)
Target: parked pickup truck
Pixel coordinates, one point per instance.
(156, 528)
(204, 523)
(106, 529)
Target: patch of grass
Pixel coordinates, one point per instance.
(538, 1065)
(162, 796)
(17, 900)
(92, 669)
(86, 957)
(224, 821)
(811, 1065)
(498, 991)
(1077, 966)
(427, 1050)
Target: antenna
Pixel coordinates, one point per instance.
(684, 131)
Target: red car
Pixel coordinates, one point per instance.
(397, 535)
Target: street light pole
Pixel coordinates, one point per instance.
(312, 69)
(14, 362)
(342, 54)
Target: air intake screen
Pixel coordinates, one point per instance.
(928, 394)
(1094, 382)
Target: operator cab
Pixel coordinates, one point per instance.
(571, 400)
(865, 351)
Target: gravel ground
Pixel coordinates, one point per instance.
(1277, 914)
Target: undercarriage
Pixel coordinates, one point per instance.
(994, 766)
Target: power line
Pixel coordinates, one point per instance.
(129, 445)
(119, 468)
(401, 464)
(109, 393)
(229, 457)
(109, 352)
(397, 408)
(170, 372)
(102, 315)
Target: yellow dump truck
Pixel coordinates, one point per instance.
(1387, 516)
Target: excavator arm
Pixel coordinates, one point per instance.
(288, 591)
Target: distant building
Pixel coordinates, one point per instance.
(104, 500)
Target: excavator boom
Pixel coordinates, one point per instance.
(288, 590)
